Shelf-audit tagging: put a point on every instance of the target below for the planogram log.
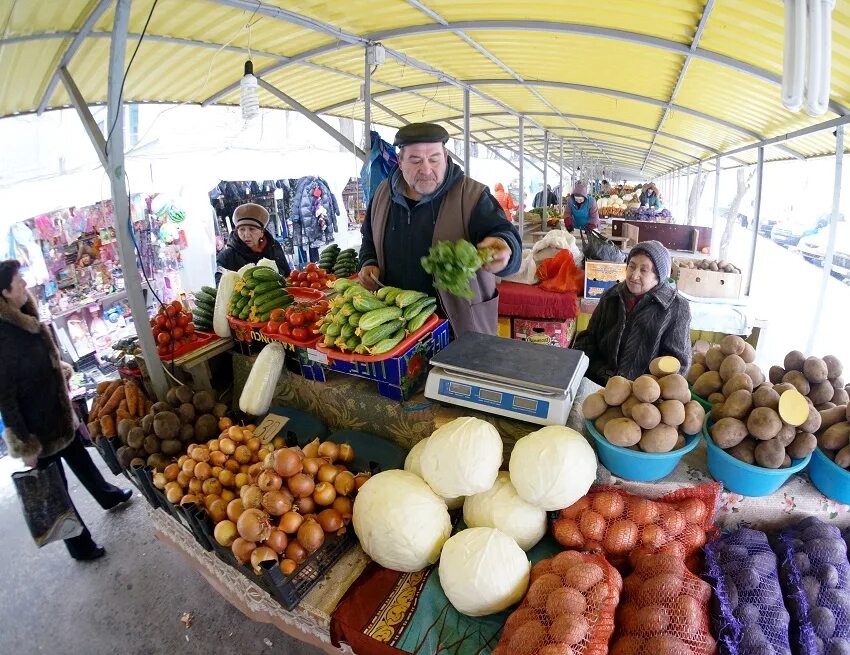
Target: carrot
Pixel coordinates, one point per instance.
(94, 429)
(148, 406)
(95, 408)
(131, 391)
(113, 402)
(123, 404)
(122, 413)
(107, 426)
(111, 388)
(103, 386)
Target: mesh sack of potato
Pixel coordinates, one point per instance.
(815, 578)
(748, 611)
(568, 610)
(625, 527)
(664, 610)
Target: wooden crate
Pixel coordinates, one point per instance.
(709, 284)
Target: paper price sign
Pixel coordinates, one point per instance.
(270, 427)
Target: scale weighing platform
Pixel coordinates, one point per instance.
(517, 379)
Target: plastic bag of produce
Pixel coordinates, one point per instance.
(625, 527)
(749, 614)
(560, 274)
(664, 610)
(815, 577)
(569, 608)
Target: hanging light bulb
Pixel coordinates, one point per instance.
(249, 99)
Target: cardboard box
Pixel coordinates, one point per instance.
(545, 332)
(709, 284)
(505, 329)
(601, 276)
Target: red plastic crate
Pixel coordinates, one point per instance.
(203, 339)
(399, 350)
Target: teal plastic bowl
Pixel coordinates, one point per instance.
(742, 478)
(702, 401)
(829, 478)
(634, 464)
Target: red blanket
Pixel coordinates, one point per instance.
(526, 301)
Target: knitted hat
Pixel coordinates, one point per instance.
(251, 215)
(580, 189)
(659, 255)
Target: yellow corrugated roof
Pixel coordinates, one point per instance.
(650, 86)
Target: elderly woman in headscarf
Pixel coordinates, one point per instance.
(649, 196)
(638, 320)
(579, 210)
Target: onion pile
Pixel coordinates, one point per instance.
(271, 505)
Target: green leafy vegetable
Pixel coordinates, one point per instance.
(453, 263)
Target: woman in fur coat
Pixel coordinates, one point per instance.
(35, 405)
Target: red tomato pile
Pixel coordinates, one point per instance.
(312, 277)
(172, 328)
(299, 321)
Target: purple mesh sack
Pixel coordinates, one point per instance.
(748, 613)
(815, 577)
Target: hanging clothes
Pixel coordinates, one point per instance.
(383, 159)
(314, 213)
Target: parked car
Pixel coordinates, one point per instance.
(766, 226)
(813, 248)
(789, 233)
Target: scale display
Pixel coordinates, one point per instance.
(502, 399)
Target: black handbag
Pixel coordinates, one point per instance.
(48, 510)
(600, 249)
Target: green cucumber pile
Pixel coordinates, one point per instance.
(340, 263)
(202, 314)
(363, 322)
(453, 263)
(260, 291)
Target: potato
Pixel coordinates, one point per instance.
(171, 446)
(740, 381)
(646, 415)
(842, 457)
(786, 435)
(748, 354)
(716, 399)
(617, 390)
(738, 405)
(732, 366)
(675, 387)
(672, 412)
(707, 384)
(766, 397)
(802, 446)
(206, 427)
(698, 357)
(799, 381)
(775, 374)
(622, 432)
(830, 417)
(629, 405)
(782, 387)
(837, 383)
(745, 451)
(151, 444)
(755, 374)
(769, 454)
(714, 358)
(135, 438)
(695, 372)
(161, 407)
(793, 408)
(187, 413)
(794, 361)
(812, 424)
(666, 365)
(840, 397)
(815, 370)
(166, 425)
(732, 345)
(834, 368)
(147, 423)
(835, 437)
(594, 406)
(728, 432)
(694, 417)
(824, 406)
(764, 423)
(660, 439)
(184, 394)
(646, 389)
(680, 442)
(821, 392)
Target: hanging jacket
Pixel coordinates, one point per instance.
(308, 229)
(236, 254)
(383, 159)
(580, 216)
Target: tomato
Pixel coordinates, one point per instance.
(331, 277)
(309, 316)
(163, 351)
(160, 320)
(163, 338)
(189, 329)
(318, 286)
(302, 276)
(300, 333)
(322, 307)
(273, 326)
(171, 311)
(192, 337)
(177, 333)
(156, 331)
(189, 316)
(312, 276)
(312, 267)
(277, 314)
(297, 319)
(284, 330)
(177, 305)
(183, 320)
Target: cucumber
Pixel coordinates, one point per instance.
(264, 287)
(274, 303)
(383, 291)
(212, 291)
(205, 307)
(378, 317)
(354, 319)
(201, 313)
(246, 292)
(419, 320)
(251, 283)
(367, 303)
(373, 336)
(243, 302)
(261, 273)
(243, 314)
(347, 331)
(333, 331)
(412, 310)
(387, 344)
(203, 296)
(352, 342)
(406, 298)
(263, 298)
(390, 297)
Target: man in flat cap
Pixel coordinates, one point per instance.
(426, 200)
(250, 242)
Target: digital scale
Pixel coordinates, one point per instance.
(512, 378)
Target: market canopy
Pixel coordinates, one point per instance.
(639, 87)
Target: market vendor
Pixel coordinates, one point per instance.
(580, 211)
(250, 242)
(649, 196)
(638, 320)
(426, 200)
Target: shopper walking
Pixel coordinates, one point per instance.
(34, 402)
(250, 242)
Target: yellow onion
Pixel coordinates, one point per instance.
(312, 448)
(254, 525)
(242, 549)
(225, 533)
(346, 453)
(311, 536)
(344, 483)
(288, 566)
(276, 503)
(262, 554)
(251, 496)
(269, 481)
(327, 473)
(330, 520)
(301, 485)
(324, 494)
(330, 450)
(235, 509)
(286, 462)
(277, 541)
(295, 551)
(290, 522)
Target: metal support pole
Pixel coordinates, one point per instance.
(573, 171)
(521, 177)
(467, 155)
(715, 236)
(367, 116)
(561, 179)
(121, 201)
(757, 219)
(833, 233)
(545, 196)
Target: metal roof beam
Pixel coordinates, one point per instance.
(71, 50)
(84, 114)
(624, 151)
(706, 13)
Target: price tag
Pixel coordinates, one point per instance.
(270, 427)
(316, 356)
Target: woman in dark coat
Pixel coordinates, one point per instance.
(638, 320)
(35, 405)
(250, 242)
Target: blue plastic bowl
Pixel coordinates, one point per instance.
(742, 478)
(634, 464)
(829, 478)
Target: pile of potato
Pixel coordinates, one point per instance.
(706, 265)
(164, 432)
(833, 437)
(817, 378)
(652, 414)
(724, 368)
